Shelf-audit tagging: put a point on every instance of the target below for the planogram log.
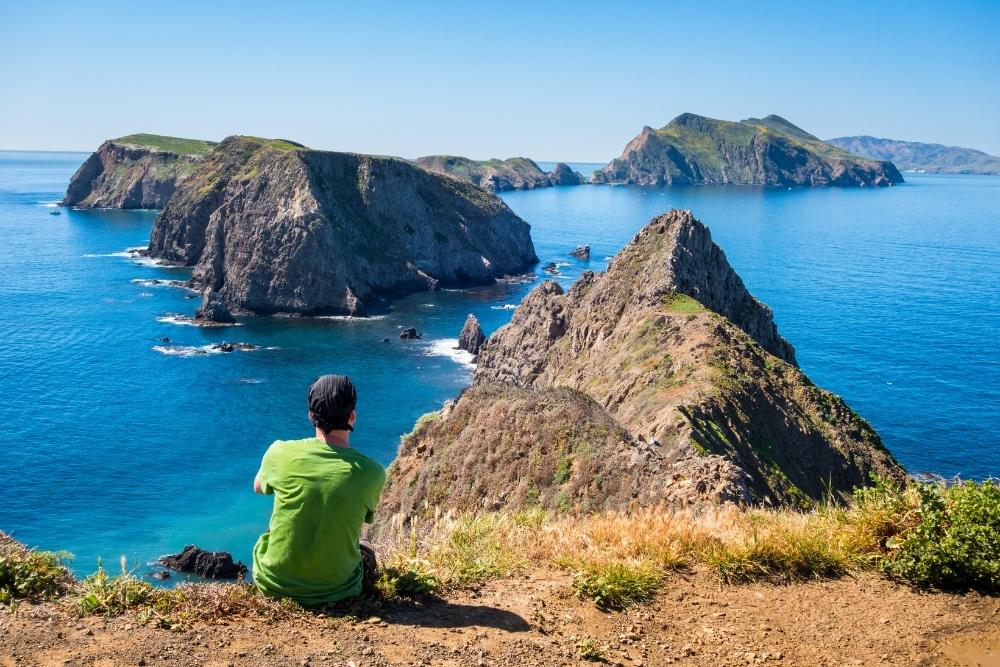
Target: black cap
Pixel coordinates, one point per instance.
(331, 400)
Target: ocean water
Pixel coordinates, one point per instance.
(117, 443)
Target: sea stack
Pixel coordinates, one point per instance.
(471, 339)
(271, 226)
(137, 171)
(661, 381)
(693, 149)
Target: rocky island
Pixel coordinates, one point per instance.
(516, 173)
(922, 157)
(135, 171)
(662, 381)
(693, 149)
(271, 226)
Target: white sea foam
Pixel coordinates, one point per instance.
(351, 318)
(505, 306)
(145, 295)
(49, 204)
(194, 350)
(448, 347)
(176, 284)
(184, 320)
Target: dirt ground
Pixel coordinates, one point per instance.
(535, 620)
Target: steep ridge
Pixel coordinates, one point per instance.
(271, 226)
(137, 171)
(660, 381)
(516, 173)
(694, 149)
(919, 156)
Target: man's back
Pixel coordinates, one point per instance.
(322, 495)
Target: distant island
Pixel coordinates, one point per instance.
(917, 156)
(271, 226)
(135, 171)
(516, 173)
(694, 149)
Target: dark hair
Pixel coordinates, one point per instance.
(332, 399)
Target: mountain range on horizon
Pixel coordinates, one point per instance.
(921, 157)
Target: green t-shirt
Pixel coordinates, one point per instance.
(322, 495)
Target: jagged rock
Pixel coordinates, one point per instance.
(137, 171)
(562, 174)
(471, 338)
(271, 227)
(667, 343)
(551, 269)
(161, 575)
(409, 333)
(581, 252)
(214, 309)
(694, 149)
(232, 347)
(209, 564)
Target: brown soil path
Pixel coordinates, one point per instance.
(535, 620)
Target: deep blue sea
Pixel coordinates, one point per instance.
(110, 446)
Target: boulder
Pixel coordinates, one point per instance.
(472, 338)
(208, 564)
(582, 252)
(409, 333)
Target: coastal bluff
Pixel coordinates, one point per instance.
(696, 150)
(516, 173)
(271, 226)
(138, 171)
(661, 382)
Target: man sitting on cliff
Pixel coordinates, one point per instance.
(323, 492)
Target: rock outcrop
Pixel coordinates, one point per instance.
(918, 156)
(664, 365)
(694, 149)
(209, 564)
(273, 227)
(581, 252)
(516, 173)
(471, 338)
(137, 171)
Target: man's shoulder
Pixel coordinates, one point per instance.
(368, 464)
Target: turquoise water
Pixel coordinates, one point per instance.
(112, 447)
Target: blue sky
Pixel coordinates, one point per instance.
(550, 80)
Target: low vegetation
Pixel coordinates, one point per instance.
(176, 145)
(937, 535)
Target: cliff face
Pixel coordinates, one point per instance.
(917, 156)
(694, 149)
(271, 226)
(670, 346)
(137, 171)
(516, 173)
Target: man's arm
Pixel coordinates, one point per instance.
(257, 488)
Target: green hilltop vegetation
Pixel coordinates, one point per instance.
(176, 145)
(695, 149)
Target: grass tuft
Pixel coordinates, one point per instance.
(617, 585)
(29, 574)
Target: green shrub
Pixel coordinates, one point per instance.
(617, 585)
(413, 580)
(955, 540)
(589, 649)
(29, 574)
(103, 594)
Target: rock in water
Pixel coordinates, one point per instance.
(137, 171)
(271, 226)
(694, 149)
(209, 564)
(471, 339)
(581, 252)
(667, 343)
(563, 175)
(213, 309)
(409, 333)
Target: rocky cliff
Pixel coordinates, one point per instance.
(660, 381)
(271, 226)
(516, 173)
(694, 149)
(918, 156)
(137, 171)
